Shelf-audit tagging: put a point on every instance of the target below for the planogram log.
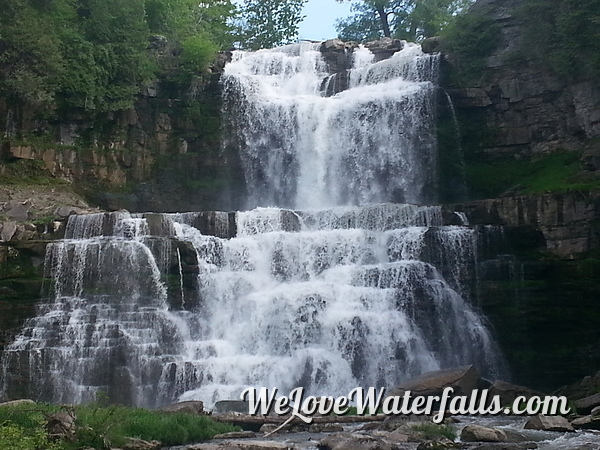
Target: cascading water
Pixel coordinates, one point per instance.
(346, 291)
(300, 149)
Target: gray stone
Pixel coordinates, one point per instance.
(236, 435)
(586, 423)
(12, 403)
(587, 404)
(19, 212)
(548, 423)
(478, 433)
(509, 392)
(8, 231)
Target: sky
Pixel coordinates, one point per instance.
(320, 19)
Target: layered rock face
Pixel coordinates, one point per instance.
(527, 108)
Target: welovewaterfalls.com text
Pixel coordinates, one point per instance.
(373, 401)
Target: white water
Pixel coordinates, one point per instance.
(361, 293)
(369, 144)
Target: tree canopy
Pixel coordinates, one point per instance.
(268, 23)
(412, 20)
(93, 54)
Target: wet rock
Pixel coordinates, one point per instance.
(236, 435)
(463, 380)
(478, 433)
(548, 423)
(595, 412)
(191, 407)
(385, 47)
(587, 404)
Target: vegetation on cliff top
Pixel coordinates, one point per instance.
(412, 20)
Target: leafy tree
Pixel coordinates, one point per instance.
(268, 23)
(405, 19)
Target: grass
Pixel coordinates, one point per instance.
(432, 431)
(556, 173)
(101, 427)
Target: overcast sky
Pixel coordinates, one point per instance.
(320, 19)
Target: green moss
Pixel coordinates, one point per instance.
(24, 172)
(557, 173)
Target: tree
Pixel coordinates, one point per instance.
(412, 20)
(268, 23)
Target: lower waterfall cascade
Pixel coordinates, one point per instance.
(333, 279)
(328, 300)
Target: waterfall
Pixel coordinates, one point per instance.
(371, 143)
(334, 278)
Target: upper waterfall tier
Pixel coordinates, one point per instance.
(373, 142)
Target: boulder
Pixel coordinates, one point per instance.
(595, 412)
(229, 406)
(19, 212)
(478, 433)
(586, 423)
(431, 45)
(548, 423)
(587, 404)
(463, 380)
(191, 407)
(509, 392)
(8, 231)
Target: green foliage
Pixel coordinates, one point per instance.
(470, 39)
(269, 23)
(558, 173)
(93, 54)
(564, 35)
(15, 437)
(103, 427)
(412, 20)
